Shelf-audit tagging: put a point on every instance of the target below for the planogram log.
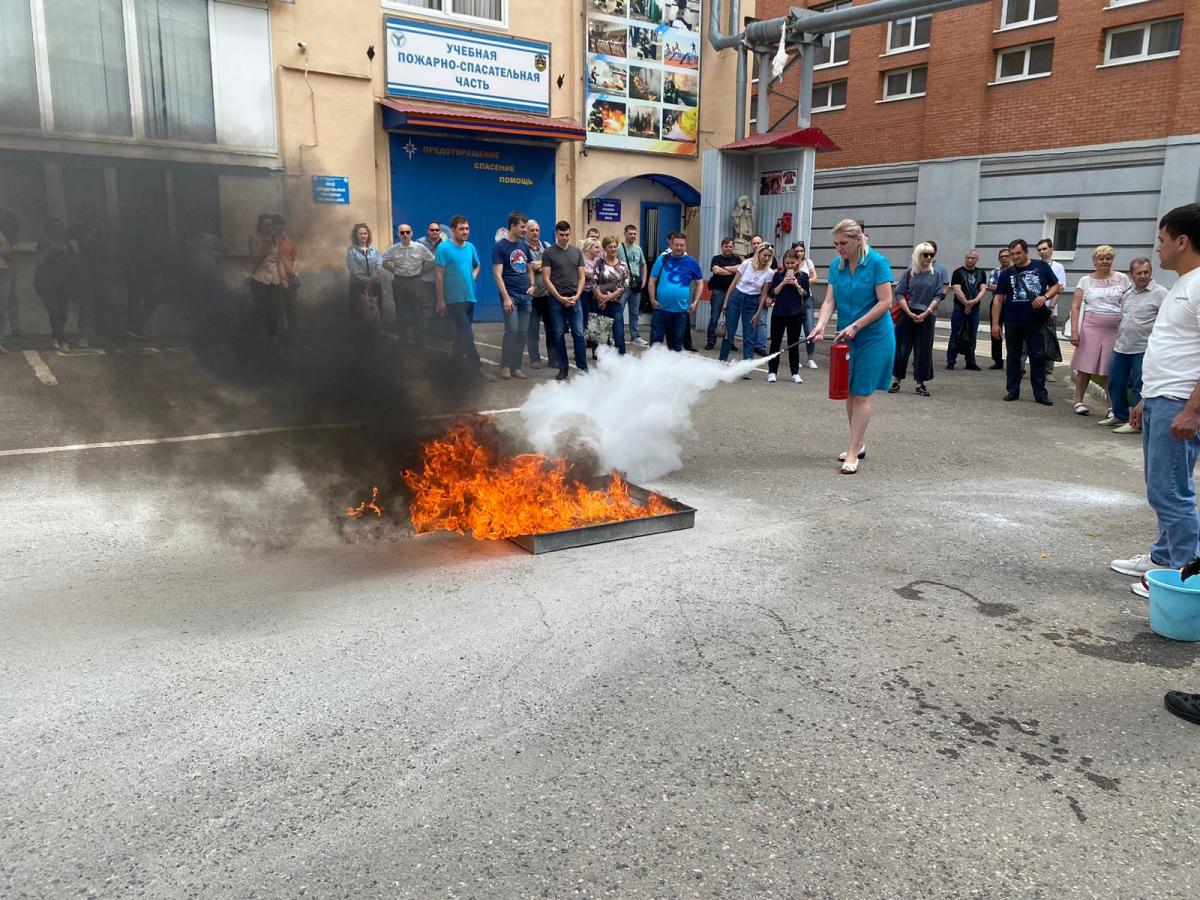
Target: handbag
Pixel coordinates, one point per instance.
(721, 330)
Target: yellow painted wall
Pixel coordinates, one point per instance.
(330, 123)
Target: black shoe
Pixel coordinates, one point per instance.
(760, 353)
(561, 376)
(1012, 396)
(1045, 401)
(1186, 706)
(1023, 373)
(998, 365)
(895, 388)
(949, 367)
(971, 367)
(733, 348)
(710, 346)
(922, 390)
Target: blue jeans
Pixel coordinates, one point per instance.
(516, 332)
(714, 315)
(1124, 373)
(562, 318)
(740, 307)
(631, 300)
(668, 326)
(763, 331)
(960, 319)
(1170, 483)
(463, 349)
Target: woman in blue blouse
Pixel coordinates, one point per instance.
(860, 287)
(363, 262)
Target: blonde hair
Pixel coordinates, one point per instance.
(917, 260)
(851, 229)
(591, 244)
(1104, 250)
(764, 247)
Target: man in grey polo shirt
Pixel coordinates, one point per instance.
(408, 261)
(630, 253)
(433, 237)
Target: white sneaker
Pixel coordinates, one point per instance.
(1141, 588)
(64, 347)
(83, 342)
(796, 379)
(1110, 421)
(812, 363)
(1135, 565)
(640, 342)
(771, 379)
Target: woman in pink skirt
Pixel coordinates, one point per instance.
(1102, 292)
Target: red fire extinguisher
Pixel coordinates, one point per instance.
(839, 371)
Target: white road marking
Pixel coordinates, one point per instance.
(223, 435)
(40, 369)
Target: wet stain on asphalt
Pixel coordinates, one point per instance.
(912, 591)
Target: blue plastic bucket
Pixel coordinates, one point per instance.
(1174, 607)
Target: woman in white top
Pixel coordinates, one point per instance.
(1103, 292)
(742, 299)
(806, 265)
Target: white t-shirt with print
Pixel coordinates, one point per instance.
(1104, 295)
(1172, 362)
(751, 280)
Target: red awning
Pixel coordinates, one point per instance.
(501, 123)
(783, 140)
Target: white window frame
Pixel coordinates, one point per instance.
(829, 84)
(833, 36)
(1117, 4)
(1144, 56)
(1006, 25)
(446, 15)
(912, 22)
(908, 96)
(1025, 76)
(133, 70)
(1049, 229)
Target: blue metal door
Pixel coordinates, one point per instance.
(658, 221)
(440, 177)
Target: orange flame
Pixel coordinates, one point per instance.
(464, 486)
(366, 505)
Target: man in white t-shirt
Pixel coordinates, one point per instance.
(1169, 413)
(1045, 252)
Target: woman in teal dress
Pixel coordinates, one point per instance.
(860, 287)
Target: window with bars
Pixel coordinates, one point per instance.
(1031, 61)
(909, 33)
(1149, 40)
(1027, 12)
(830, 95)
(903, 83)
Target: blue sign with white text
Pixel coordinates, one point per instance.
(608, 210)
(331, 189)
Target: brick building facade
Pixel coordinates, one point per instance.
(1012, 118)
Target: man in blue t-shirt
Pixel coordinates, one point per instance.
(674, 286)
(457, 268)
(1022, 300)
(511, 268)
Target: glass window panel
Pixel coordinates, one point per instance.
(918, 80)
(896, 84)
(421, 4)
(1041, 59)
(922, 31)
(841, 46)
(1015, 11)
(23, 206)
(1066, 235)
(18, 77)
(176, 70)
(820, 96)
(838, 93)
(1045, 9)
(480, 9)
(1126, 43)
(89, 79)
(901, 34)
(1012, 64)
(1165, 36)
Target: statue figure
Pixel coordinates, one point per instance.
(743, 226)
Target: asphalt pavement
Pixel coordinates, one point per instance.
(918, 681)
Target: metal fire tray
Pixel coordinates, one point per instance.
(681, 517)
